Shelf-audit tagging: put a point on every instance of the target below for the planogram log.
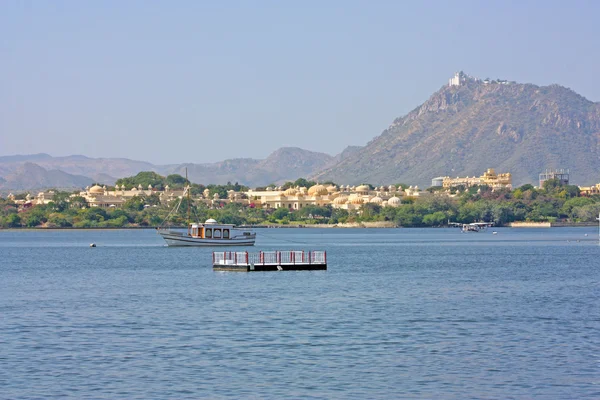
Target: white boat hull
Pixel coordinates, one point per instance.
(180, 239)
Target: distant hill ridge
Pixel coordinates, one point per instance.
(26, 172)
(462, 130)
(31, 176)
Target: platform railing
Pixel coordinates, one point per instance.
(290, 257)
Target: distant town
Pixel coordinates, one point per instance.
(488, 198)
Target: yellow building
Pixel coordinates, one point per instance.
(489, 178)
(590, 190)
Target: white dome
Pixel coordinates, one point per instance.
(357, 200)
(394, 202)
(210, 221)
(376, 200)
(340, 200)
(317, 190)
(96, 190)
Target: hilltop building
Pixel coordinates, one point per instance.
(489, 178)
(458, 79)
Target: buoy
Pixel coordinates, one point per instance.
(92, 244)
(585, 235)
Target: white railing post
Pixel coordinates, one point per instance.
(598, 229)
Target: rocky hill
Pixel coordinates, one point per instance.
(463, 130)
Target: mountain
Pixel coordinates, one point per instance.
(234, 170)
(464, 129)
(31, 176)
(288, 163)
(347, 152)
(291, 163)
(104, 179)
(22, 158)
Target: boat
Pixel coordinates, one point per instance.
(476, 226)
(210, 233)
(472, 227)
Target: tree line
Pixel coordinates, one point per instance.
(553, 202)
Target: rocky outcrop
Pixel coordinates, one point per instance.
(463, 130)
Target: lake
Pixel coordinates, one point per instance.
(400, 313)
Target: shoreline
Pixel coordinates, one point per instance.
(361, 225)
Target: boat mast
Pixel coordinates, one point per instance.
(188, 196)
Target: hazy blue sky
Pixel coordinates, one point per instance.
(192, 81)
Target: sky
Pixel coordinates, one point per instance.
(203, 81)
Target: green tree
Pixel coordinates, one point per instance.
(144, 179)
(135, 203)
(551, 185)
(370, 211)
(13, 221)
(438, 218)
(77, 202)
(301, 182)
(153, 199)
(175, 181)
(58, 220)
(279, 214)
(569, 207)
(588, 213)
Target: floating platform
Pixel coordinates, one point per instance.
(293, 260)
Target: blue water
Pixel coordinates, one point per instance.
(400, 313)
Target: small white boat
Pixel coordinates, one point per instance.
(210, 233)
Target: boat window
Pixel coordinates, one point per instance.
(225, 233)
(208, 233)
(216, 233)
